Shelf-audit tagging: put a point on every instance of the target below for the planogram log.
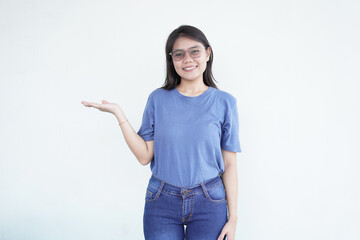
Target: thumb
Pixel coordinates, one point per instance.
(104, 101)
(222, 235)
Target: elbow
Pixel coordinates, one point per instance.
(230, 166)
(144, 161)
(146, 156)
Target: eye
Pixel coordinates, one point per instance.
(195, 53)
(178, 54)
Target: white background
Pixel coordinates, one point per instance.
(66, 171)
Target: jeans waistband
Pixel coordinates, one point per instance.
(169, 188)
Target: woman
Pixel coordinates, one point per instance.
(190, 135)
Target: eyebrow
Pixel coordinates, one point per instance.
(196, 46)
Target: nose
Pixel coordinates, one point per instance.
(187, 57)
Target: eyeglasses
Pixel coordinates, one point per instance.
(179, 54)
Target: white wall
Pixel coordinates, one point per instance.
(66, 171)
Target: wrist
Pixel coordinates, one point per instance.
(123, 122)
(120, 116)
(233, 219)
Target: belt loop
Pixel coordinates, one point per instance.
(204, 189)
(221, 177)
(160, 188)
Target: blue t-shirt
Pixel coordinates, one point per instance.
(188, 134)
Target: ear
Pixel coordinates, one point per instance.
(208, 52)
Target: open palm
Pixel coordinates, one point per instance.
(104, 106)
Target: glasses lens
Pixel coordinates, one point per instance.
(178, 54)
(195, 52)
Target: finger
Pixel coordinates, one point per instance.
(85, 103)
(221, 237)
(104, 101)
(90, 104)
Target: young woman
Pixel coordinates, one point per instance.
(190, 135)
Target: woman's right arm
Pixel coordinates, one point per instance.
(143, 150)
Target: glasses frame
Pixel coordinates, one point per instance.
(188, 51)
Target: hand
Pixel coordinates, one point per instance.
(228, 230)
(105, 106)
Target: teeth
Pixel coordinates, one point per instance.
(189, 68)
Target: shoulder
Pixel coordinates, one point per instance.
(158, 93)
(224, 97)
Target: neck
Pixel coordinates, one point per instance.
(192, 86)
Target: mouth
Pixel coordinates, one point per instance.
(189, 69)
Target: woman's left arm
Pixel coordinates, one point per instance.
(230, 180)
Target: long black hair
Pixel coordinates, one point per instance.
(172, 78)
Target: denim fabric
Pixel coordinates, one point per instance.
(202, 209)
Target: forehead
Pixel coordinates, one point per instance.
(185, 43)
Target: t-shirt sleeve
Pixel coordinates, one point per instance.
(230, 128)
(146, 130)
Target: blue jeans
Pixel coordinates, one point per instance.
(168, 208)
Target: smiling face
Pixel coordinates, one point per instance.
(190, 68)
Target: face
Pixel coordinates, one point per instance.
(191, 68)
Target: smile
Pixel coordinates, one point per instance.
(188, 69)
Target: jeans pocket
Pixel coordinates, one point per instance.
(215, 193)
(153, 191)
